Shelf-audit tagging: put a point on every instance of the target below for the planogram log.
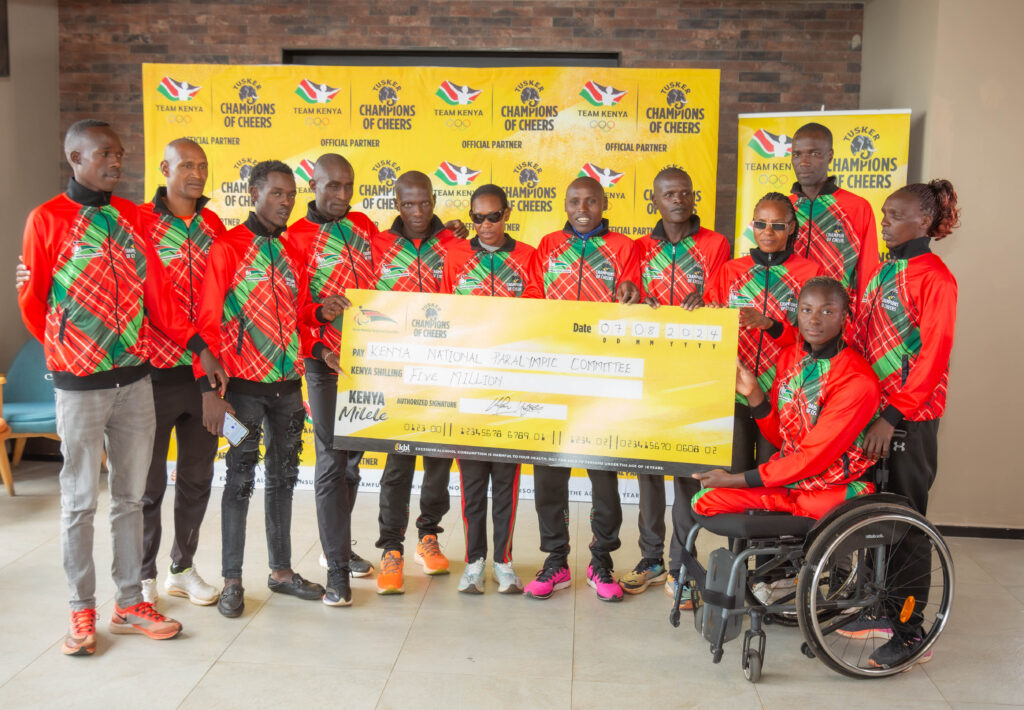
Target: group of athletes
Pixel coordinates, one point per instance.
(157, 318)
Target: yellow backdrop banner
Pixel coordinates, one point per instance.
(870, 159)
(530, 130)
(588, 385)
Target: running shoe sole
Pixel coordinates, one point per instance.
(866, 634)
(660, 579)
(391, 590)
(427, 571)
(471, 589)
(175, 592)
(593, 585)
(126, 628)
(924, 659)
(80, 650)
(560, 585)
(340, 602)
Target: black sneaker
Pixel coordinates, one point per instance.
(231, 602)
(297, 587)
(358, 566)
(338, 592)
(895, 651)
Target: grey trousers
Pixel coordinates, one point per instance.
(122, 418)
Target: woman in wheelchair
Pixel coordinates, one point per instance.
(845, 543)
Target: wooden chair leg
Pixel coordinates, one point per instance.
(19, 451)
(5, 468)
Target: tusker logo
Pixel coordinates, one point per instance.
(452, 174)
(457, 95)
(529, 195)
(530, 114)
(236, 193)
(606, 176)
(676, 94)
(598, 95)
(313, 93)
(248, 111)
(529, 92)
(770, 145)
(379, 196)
(862, 141)
(177, 90)
(304, 170)
(387, 91)
(677, 115)
(430, 325)
(528, 173)
(389, 113)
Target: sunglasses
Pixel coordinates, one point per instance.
(493, 217)
(776, 226)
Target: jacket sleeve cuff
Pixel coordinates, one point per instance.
(762, 410)
(753, 478)
(204, 384)
(319, 350)
(776, 330)
(196, 344)
(320, 315)
(892, 415)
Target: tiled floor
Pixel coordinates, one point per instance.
(436, 648)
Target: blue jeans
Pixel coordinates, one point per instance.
(284, 417)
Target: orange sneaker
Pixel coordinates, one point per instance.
(390, 579)
(429, 555)
(81, 638)
(142, 618)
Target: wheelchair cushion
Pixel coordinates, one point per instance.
(762, 524)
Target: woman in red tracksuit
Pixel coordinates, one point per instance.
(823, 398)
(904, 328)
(764, 286)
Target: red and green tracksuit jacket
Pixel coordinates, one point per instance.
(336, 255)
(567, 267)
(671, 272)
(472, 270)
(905, 327)
(254, 300)
(771, 283)
(837, 230)
(182, 247)
(405, 264)
(95, 291)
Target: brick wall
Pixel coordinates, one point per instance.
(774, 56)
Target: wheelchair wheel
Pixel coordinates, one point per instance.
(880, 576)
(752, 666)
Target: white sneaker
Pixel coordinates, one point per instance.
(772, 592)
(190, 585)
(472, 581)
(323, 561)
(507, 579)
(149, 593)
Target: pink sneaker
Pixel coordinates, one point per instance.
(548, 581)
(600, 578)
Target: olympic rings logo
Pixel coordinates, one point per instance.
(317, 121)
(179, 118)
(602, 125)
(773, 179)
(459, 123)
(457, 204)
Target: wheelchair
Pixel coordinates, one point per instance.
(872, 557)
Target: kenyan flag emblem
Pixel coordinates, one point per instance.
(455, 95)
(313, 93)
(452, 174)
(177, 90)
(606, 176)
(305, 170)
(599, 95)
(769, 145)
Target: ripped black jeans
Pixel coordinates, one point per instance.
(283, 416)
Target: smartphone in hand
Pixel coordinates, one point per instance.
(234, 431)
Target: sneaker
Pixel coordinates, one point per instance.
(894, 651)
(472, 580)
(232, 601)
(685, 599)
(81, 638)
(428, 554)
(357, 566)
(507, 579)
(296, 587)
(648, 571)
(769, 593)
(390, 580)
(142, 618)
(337, 592)
(549, 580)
(149, 593)
(868, 626)
(190, 585)
(600, 578)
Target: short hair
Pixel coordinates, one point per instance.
(939, 201)
(489, 190)
(672, 173)
(413, 178)
(830, 286)
(77, 130)
(586, 181)
(261, 171)
(814, 129)
(331, 159)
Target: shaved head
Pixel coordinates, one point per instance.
(328, 162)
(587, 182)
(413, 178)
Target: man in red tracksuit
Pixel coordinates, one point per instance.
(583, 261)
(333, 246)
(181, 228)
(95, 293)
(837, 227)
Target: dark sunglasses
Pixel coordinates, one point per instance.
(493, 217)
(776, 226)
